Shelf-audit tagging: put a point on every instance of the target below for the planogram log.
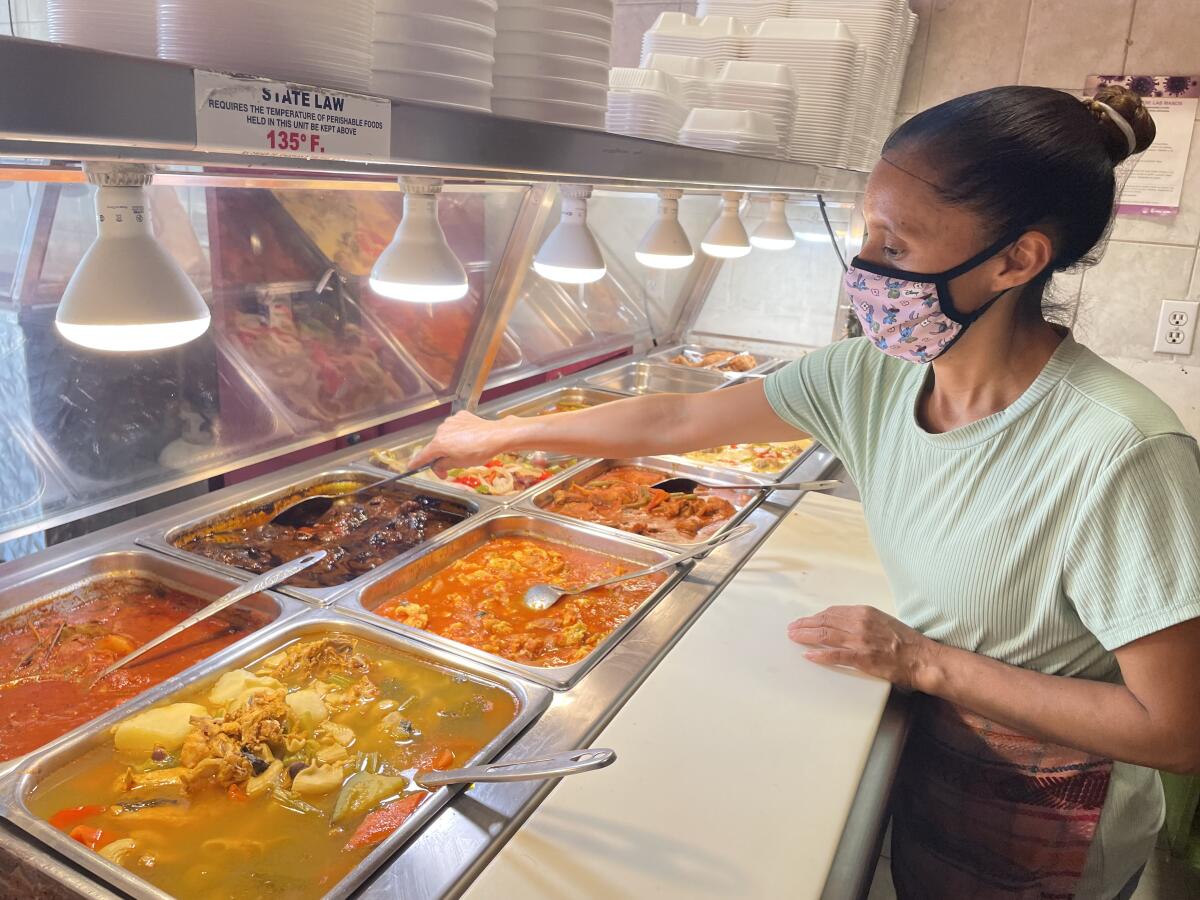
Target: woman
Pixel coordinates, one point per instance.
(1036, 510)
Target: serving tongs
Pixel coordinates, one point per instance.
(307, 511)
(689, 485)
(543, 596)
(266, 580)
(556, 765)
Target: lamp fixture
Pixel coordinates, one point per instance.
(774, 233)
(418, 266)
(726, 237)
(571, 255)
(666, 245)
(128, 294)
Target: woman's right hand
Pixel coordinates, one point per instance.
(463, 440)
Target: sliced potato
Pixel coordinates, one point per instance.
(316, 780)
(307, 707)
(163, 726)
(239, 685)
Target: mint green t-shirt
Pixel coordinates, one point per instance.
(1045, 535)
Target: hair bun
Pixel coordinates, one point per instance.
(1135, 117)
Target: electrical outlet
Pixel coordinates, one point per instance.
(1176, 327)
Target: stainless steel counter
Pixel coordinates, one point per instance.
(443, 859)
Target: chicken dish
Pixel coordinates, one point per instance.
(276, 779)
(720, 360)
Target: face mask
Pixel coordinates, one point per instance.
(910, 315)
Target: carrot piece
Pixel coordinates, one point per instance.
(236, 792)
(65, 818)
(92, 838)
(443, 760)
(382, 822)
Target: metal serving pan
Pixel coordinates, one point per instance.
(651, 378)
(761, 364)
(743, 502)
(132, 562)
(275, 499)
(364, 602)
(531, 699)
(544, 402)
(406, 449)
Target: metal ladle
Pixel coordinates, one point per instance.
(541, 596)
(264, 581)
(308, 510)
(556, 765)
(689, 485)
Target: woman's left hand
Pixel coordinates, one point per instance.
(863, 638)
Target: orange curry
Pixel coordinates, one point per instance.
(50, 653)
(622, 498)
(476, 600)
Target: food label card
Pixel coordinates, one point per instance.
(258, 115)
(1153, 182)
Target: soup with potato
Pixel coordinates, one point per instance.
(278, 778)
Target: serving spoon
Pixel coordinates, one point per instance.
(689, 485)
(565, 762)
(266, 580)
(542, 596)
(307, 511)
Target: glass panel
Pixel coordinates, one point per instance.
(299, 351)
(781, 297)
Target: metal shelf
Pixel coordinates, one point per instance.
(69, 103)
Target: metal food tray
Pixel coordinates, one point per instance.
(743, 502)
(536, 405)
(131, 561)
(765, 477)
(762, 362)
(17, 786)
(269, 499)
(407, 448)
(651, 378)
(398, 579)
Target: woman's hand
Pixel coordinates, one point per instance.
(463, 440)
(863, 638)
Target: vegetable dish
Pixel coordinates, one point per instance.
(501, 476)
(359, 533)
(477, 600)
(50, 652)
(277, 779)
(622, 498)
(769, 458)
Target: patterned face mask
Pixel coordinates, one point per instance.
(910, 315)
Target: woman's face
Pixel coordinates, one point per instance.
(910, 227)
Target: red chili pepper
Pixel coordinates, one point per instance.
(92, 838)
(65, 818)
(468, 480)
(493, 463)
(383, 821)
(236, 792)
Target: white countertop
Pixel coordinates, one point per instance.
(737, 758)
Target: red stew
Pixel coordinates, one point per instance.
(50, 653)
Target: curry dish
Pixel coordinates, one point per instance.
(50, 653)
(277, 779)
(622, 498)
(477, 600)
(359, 534)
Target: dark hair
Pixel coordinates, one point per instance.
(1030, 156)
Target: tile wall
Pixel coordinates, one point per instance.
(966, 45)
(23, 18)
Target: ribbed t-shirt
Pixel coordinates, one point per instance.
(1045, 535)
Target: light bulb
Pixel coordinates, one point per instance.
(570, 255)
(775, 233)
(128, 294)
(418, 266)
(666, 245)
(726, 237)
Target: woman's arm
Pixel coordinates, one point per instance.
(639, 426)
(1152, 720)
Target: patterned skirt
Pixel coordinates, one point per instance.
(981, 812)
